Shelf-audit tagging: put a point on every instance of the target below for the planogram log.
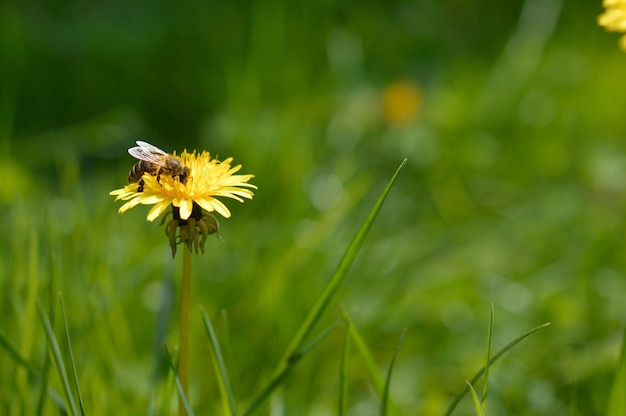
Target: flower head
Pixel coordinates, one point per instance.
(401, 102)
(614, 18)
(193, 196)
(207, 180)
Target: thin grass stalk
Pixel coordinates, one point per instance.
(58, 358)
(162, 406)
(32, 372)
(475, 399)
(47, 363)
(617, 399)
(488, 356)
(366, 355)
(183, 345)
(17, 357)
(71, 354)
(223, 381)
(336, 279)
(343, 370)
(279, 378)
(384, 405)
(182, 396)
(293, 351)
(377, 380)
(495, 358)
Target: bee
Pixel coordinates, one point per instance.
(155, 162)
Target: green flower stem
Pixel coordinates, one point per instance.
(183, 347)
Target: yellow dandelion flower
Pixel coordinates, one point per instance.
(614, 18)
(401, 102)
(191, 183)
(208, 179)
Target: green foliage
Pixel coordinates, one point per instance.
(476, 400)
(342, 408)
(179, 386)
(384, 406)
(487, 360)
(60, 365)
(223, 380)
(483, 372)
(513, 194)
(617, 401)
(71, 355)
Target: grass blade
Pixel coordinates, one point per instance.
(181, 392)
(14, 353)
(366, 355)
(617, 399)
(331, 287)
(385, 400)
(47, 360)
(337, 278)
(32, 372)
(69, 347)
(223, 380)
(479, 410)
(279, 378)
(486, 377)
(495, 358)
(343, 365)
(368, 358)
(162, 395)
(58, 359)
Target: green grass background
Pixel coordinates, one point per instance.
(513, 194)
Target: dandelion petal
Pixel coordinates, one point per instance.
(186, 206)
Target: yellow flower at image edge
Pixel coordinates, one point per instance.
(614, 18)
(208, 179)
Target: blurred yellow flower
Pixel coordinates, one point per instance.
(614, 19)
(401, 102)
(207, 180)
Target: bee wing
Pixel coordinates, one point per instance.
(149, 153)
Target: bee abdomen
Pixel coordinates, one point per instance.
(137, 171)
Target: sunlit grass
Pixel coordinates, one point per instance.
(513, 195)
(296, 351)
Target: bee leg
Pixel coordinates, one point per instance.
(140, 185)
(183, 175)
(158, 175)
